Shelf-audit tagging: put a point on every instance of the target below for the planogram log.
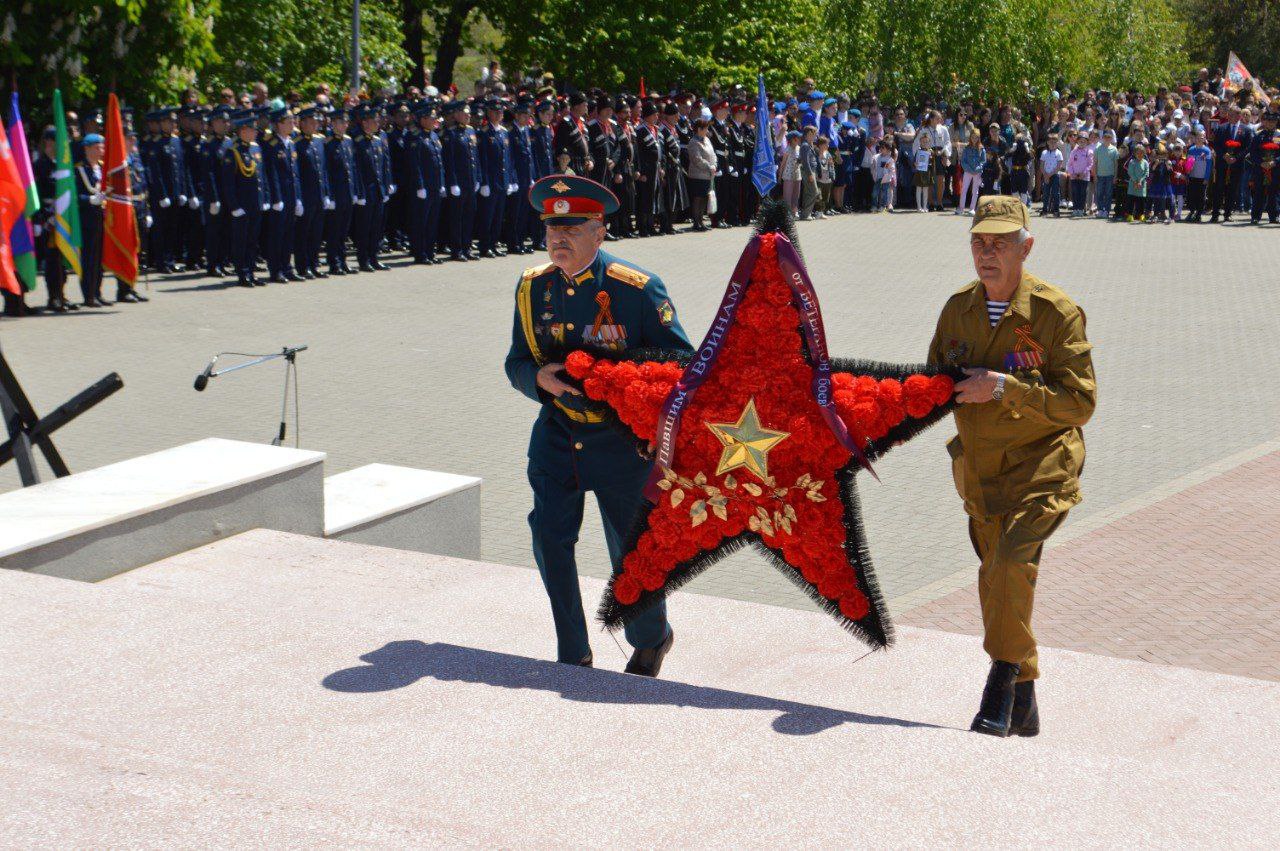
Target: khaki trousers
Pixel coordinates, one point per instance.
(1010, 546)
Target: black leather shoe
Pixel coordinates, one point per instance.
(1025, 720)
(257, 282)
(97, 302)
(487, 254)
(305, 275)
(379, 266)
(319, 275)
(647, 662)
(58, 307)
(610, 238)
(129, 298)
(365, 267)
(337, 270)
(244, 282)
(585, 662)
(997, 701)
(458, 258)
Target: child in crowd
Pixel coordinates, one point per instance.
(993, 178)
(1080, 171)
(808, 172)
(1052, 163)
(562, 163)
(1105, 160)
(1199, 174)
(1178, 178)
(1159, 189)
(826, 176)
(1139, 173)
(1091, 195)
(1020, 155)
(973, 161)
(884, 171)
(921, 177)
(789, 171)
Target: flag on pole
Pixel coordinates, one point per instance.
(66, 207)
(764, 171)
(642, 94)
(13, 200)
(1238, 75)
(22, 237)
(120, 225)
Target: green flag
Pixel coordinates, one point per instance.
(66, 207)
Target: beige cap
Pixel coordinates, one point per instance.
(1000, 214)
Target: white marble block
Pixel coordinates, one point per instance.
(404, 508)
(102, 522)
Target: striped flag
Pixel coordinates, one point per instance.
(22, 238)
(120, 226)
(12, 202)
(66, 207)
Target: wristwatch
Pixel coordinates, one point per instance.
(998, 393)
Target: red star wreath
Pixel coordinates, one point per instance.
(759, 437)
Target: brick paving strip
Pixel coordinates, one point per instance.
(1192, 579)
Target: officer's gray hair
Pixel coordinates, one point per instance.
(1021, 236)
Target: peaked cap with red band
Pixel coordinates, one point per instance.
(566, 199)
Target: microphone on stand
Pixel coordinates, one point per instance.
(202, 380)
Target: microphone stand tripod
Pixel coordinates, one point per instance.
(290, 356)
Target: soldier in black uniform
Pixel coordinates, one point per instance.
(624, 179)
(55, 272)
(190, 218)
(571, 137)
(720, 133)
(217, 219)
(1264, 170)
(743, 154)
(346, 190)
(401, 138)
(313, 180)
(245, 192)
(602, 139)
(650, 151)
(90, 199)
(675, 195)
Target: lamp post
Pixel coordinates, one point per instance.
(355, 45)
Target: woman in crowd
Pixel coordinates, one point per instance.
(701, 171)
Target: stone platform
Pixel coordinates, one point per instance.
(277, 690)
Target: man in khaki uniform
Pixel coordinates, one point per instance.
(1019, 452)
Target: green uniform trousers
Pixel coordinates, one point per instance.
(1010, 546)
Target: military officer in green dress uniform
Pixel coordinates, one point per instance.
(584, 298)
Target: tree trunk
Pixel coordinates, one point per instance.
(450, 47)
(411, 26)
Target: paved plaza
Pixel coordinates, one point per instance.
(405, 367)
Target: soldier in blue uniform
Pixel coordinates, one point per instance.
(497, 179)
(190, 217)
(346, 190)
(515, 219)
(246, 195)
(90, 198)
(542, 141)
(313, 180)
(462, 177)
(400, 141)
(374, 166)
(168, 190)
(217, 221)
(584, 296)
(286, 198)
(426, 191)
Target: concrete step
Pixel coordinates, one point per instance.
(278, 689)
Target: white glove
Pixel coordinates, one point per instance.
(513, 188)
(150, 221)
(96, 199)
(477, 189)
(422, 193)
(194, 203)
(182, 199)
(164, 203)
(266, 207)
(237, 213)
(393, 189)
(278, 206)
(36, 230)
(359, 202)
(329, 205)
(484, 191)
(215, 208)
(442, 192)
(297, 209)
(733, 172)
(455, 191)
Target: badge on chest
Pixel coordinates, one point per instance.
(604, 331)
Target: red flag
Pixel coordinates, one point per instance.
(120, 226)
(13, 200)
(642, 95)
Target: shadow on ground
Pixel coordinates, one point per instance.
(399, 664)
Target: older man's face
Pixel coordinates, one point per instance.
(998, 257)
(572, 247)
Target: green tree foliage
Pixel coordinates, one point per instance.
(147, 50)
(296, 44)
(1249, 27)
(673, 42)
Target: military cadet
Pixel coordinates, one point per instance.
(602, 138)
(426, 192)
(516, 217)
(400, 138)
(346, 191)
(675, 194)
(1264, 176)
(584, 297)
(168, 190)
(571, 136)
(126, 292)
(246, 194)
(190, 217)
(744, 150)
(43, 166)
(462, 176)
(374, 165)
(542, 140)
(726, 198)
(650, 202)
(91, 199)
(281, 159)
(217, 220)
(313, 181)
(497, 179)
(1019, 452)
(624, 178)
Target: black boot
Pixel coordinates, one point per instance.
(1025, 720)
(647, 662)
(997, 701)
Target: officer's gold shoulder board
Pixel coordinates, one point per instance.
(534, 271)
(627, 275)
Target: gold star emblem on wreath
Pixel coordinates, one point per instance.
(560, 186)
(746, 442)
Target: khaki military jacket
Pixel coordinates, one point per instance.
(1028, 445)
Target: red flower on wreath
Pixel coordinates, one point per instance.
(755, 460)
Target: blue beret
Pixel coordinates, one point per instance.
(792, 102)
(94, 139)
(793, 134)
(856, 113)
(830, 102)
(817, 95)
